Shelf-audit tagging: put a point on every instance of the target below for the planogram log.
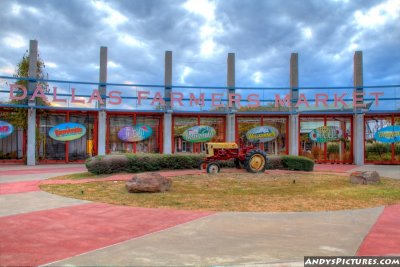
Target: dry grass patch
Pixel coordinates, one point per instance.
(244, 192)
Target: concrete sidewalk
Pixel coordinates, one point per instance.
(38, 228)
(240, 238)
(16, 173)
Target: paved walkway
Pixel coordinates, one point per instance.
(38, 228)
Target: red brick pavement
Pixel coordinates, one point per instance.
(46, 236)
(384, 237)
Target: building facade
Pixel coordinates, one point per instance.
(72, 121)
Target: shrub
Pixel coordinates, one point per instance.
(274, 162)
(107, 164)
(153, 162)
(297, 163)
(141, 162)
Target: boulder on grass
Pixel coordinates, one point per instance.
(364, 177)
(148, 183)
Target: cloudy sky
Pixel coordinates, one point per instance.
(201, 33)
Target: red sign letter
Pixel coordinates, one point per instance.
(179, 98)
(95, 96)
(253, 98)
(285, 101)
(39, 93)
(376, 94)
(322, 100)
(196, 101)
(16, 97)
(142, 95)
(114, 95)
(55, 99)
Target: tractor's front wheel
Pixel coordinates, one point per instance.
(213, 168)
(256, 161)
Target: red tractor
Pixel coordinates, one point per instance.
(253, 159)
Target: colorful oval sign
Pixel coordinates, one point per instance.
(325, 134)
(5, 129)
(135, 133)
(388, 134)
(262, 134)
(199, 134)
(67, 131)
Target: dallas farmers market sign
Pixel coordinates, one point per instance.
(19, 92)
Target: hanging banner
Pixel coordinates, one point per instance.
(388, 134)
(197, 134)
(135, 133)
(325, 134)
(5, 129)
(67, 131)
(262, 134)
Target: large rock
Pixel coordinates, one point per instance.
(148, 182)
(364, 177)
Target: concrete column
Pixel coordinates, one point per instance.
(230, 79)
(102, 115)
(294, 134)
(358, 139)
(102, 129)
(230, 83)
(167, 143)
(358, 118)
(31, 131)
(294, 77)
(358, 73)
(167, 128)
(294, 93)
(168, 79)
(230, 128)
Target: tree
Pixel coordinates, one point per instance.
(18, 116)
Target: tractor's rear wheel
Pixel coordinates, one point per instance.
(213, 168)
(256, 161)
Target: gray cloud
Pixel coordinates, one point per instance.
(261, 33)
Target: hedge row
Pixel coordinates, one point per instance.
(297, 163)
(153, 162)
(141, 163)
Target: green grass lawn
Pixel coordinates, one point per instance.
(244, 192)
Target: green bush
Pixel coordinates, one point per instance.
(141, 162)
(133, 163)
(274, 162)
(297, 163)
